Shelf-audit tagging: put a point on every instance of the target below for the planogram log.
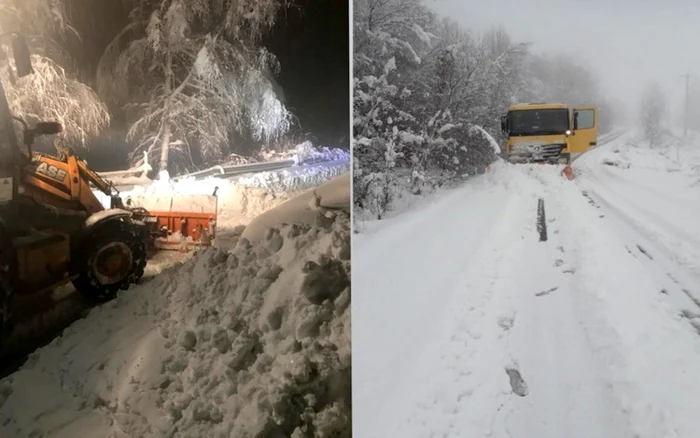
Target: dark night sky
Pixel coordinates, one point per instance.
(311, 42)
(312, 45)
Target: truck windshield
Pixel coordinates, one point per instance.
(538, 122)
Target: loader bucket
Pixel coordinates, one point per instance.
(179, 222)
(568, 172)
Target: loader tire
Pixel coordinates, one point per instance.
(110, 258)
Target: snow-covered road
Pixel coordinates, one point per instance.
(466, 325)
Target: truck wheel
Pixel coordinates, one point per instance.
(111, 258)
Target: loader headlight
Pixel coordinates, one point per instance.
(568, 132)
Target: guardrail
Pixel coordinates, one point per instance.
(237, 169)
(126, 179)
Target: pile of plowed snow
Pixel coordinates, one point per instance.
(249, 343)
(237, 204)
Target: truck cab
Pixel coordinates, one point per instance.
(548, 132)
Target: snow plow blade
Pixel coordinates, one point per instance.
(568, 172)
(178, 222)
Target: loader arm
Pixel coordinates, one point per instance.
(95, 179)
(104, 186)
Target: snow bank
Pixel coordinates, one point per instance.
(306, 152)
(297, 177)
(303, 209)
(237, 204)
(408, 191)
(242, 198)
(254, 342)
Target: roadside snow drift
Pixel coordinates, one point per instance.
(237, 204)
(303, 209)
(251, 343)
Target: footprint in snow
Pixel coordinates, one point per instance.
(506, 322)
(558, 262)
(517, 383)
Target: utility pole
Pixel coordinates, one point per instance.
(685, 115)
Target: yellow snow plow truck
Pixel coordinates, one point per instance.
(548, 132)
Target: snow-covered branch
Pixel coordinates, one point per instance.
(203, 77)
(49, 94)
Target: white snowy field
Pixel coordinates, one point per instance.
(466, 325)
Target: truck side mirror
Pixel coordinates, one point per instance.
(23, 60)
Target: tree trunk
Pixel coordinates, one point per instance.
(165, 139)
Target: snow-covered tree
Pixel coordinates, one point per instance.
(43, 23)
(51, 95)
(191, 74)
(423, 90)
(432, 93)
(652, 112)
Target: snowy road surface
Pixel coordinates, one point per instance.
(467, 326)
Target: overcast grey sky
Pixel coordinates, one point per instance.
(627, 42)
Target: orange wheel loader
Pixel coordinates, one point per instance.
(53, 229)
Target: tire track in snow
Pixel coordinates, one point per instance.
(643, 351)
(677, 243)
(670, 276)
(568, 395)
(43, 317)
(406, 279)
(458, 384)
